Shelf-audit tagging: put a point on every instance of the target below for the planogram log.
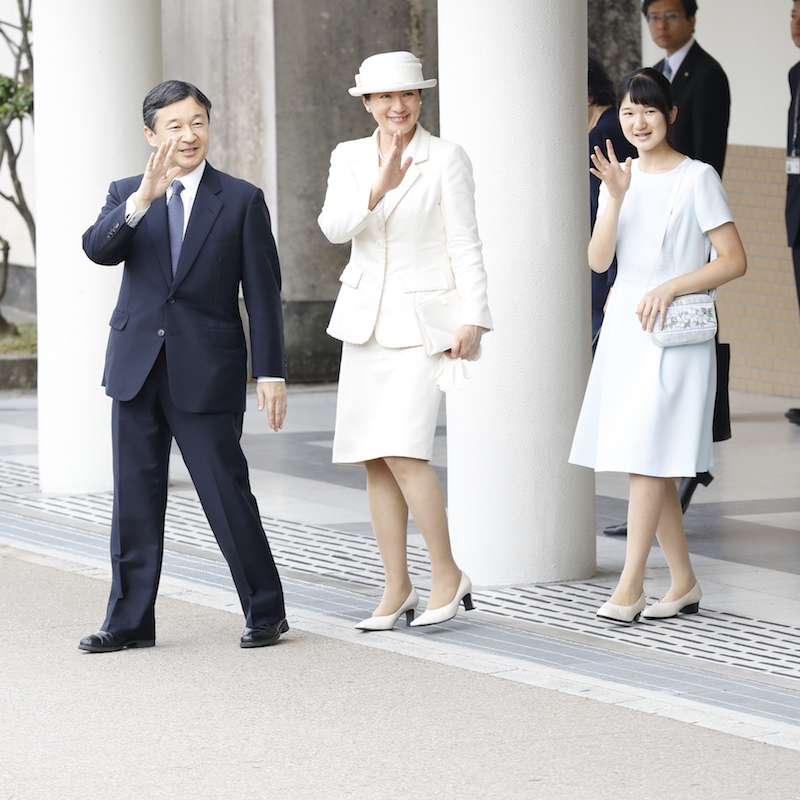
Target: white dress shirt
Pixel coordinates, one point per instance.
(676, 59)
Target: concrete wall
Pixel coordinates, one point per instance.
(277, 73)
(318, 49)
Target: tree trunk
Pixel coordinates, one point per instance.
(6, 328)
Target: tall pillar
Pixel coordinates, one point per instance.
(95, 61)
(512, 92)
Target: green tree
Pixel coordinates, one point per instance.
(16, 104)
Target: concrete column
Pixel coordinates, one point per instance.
(512, 92)
(95, 61)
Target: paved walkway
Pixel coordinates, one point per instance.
(528, 697)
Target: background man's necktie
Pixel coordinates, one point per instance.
(175, 220)
(667, 70)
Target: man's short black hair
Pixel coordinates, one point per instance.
(170, 92)
(689, 7)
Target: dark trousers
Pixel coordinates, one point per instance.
(796, 259)
(143, 429)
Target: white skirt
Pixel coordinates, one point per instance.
(387, 404)
(647, 410)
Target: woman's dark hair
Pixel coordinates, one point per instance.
(167, 93)
(689, 7)
(601, 90)
(648, 87)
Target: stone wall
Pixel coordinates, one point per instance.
(317, 54)
(615, 35)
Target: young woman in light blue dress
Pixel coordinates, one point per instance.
(648, 410)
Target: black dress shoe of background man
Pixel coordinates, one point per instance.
(266, 634)
(793, 415)
(616, 530)
(105, 642)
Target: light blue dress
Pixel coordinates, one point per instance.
(648, 410)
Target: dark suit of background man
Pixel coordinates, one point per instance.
(793, 170)
(699, 84)
(176, 364)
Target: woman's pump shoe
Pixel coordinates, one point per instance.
(435, 615)
(688, 604)
(386, 623)
(625, 614)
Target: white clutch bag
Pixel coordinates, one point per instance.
(690, 319)
(439, 318)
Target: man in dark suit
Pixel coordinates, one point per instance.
(699, 84)
(176, 364)
(793, 171)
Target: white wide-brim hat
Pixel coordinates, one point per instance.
(390, 72)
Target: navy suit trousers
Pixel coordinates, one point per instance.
(796, 259)
(143, 429)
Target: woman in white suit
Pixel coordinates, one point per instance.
(405, 199)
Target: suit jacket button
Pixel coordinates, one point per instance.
(171, 300)
(162, 332)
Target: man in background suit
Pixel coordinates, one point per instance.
(176, 364)
(699, 84)
(793, 170)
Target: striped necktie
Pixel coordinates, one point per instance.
(175, 221)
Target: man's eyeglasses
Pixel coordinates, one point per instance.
(670, 18)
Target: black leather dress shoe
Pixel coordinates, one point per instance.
(688, 485)
(105, 642)
(616, 530)
(266, 634)
(793, 415)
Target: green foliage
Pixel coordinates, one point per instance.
(24, 344)
(16, 99)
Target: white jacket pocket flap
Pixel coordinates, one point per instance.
(351, 276)
(433, 281)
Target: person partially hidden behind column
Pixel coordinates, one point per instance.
(603, 125)
(648, 409)
(702, 94)
(176, 364)
(405, 199)
(793, 170)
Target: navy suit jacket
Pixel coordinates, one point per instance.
(195, 315)
(793, 181)
(703, 98)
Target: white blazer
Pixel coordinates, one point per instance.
(421, 239)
